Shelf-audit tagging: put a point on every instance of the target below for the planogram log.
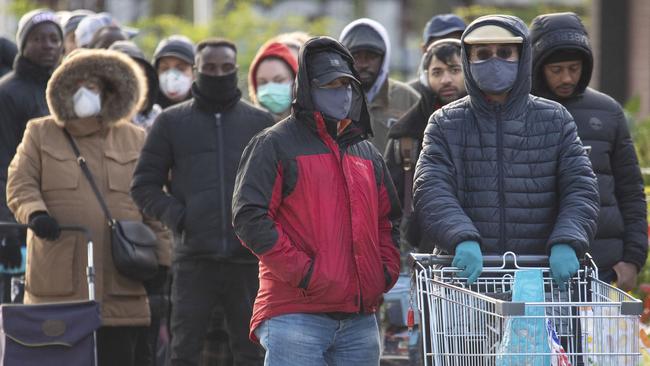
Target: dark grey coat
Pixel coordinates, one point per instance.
(512, 177)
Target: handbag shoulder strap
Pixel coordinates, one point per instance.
(89, 176)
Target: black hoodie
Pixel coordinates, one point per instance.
(622, 225)
(512, 176)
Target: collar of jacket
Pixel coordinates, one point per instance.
(414, 121)
(326, 128)
(164, 102)
(29, 70)
(81, 127)
(210, 105)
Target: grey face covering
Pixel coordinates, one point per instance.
(334, 103)
(494, 75)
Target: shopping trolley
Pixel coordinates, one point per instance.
(591, 323)
(52, 333)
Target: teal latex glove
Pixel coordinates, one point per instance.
(469, 259)
(564, 264)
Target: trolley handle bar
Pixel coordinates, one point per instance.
(79, 228)
(507, 259)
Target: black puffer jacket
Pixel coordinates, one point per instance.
(8, 53)
(201, 152)
(512, 176)
(22, 97)
(622, 225)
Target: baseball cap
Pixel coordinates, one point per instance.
(441, 25)
(325, 67)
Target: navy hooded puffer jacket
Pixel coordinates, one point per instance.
(622, 223)
(513, 177)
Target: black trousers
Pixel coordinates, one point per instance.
(147, 344)
(116, 345)
(198, 286)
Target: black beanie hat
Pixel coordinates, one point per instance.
(32, 19)
(177, 46)
(563, 55)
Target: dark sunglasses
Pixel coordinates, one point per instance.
(502, 52)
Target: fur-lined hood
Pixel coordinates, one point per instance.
(125, 90)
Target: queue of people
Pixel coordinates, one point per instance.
(288, 212)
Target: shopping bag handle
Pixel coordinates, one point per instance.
(508, 259)
(78, 228)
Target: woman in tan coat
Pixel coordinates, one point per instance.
(93, 95)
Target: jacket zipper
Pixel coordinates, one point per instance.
(222, 188)
(358, 300)
(502, 196)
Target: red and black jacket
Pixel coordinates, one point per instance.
(318, 212)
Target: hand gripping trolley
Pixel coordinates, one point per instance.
(54, 333)
(591, 323)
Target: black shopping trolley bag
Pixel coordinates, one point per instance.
(48, 334)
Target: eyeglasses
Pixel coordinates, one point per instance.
(502, 52)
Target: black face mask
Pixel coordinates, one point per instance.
(216, 93)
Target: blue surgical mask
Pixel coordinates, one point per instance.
(334, 103)
(275, 97)
(494, 75)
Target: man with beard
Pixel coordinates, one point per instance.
(22, 97)
(197, 144)
(442, 71)
(388, 99)
(439, 27)
(562, 64)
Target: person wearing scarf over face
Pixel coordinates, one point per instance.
(316, 204)
(92, 96)
(198, 143)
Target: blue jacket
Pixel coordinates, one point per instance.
(513, 176)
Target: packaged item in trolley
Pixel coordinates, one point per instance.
(525, 340)
(559, 357)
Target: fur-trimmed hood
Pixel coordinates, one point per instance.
(125, 88)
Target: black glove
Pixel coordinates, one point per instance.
(10, 255)
(44, 226)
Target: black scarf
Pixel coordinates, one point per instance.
(216, 94)
(29, 70)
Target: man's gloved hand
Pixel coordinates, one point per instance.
(44, 226)
(469, 259)
(564, 264)
(626, 275)
(10, 255)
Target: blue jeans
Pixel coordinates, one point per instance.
(316, 340)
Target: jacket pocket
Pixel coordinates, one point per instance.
(51, 266)
(123, 286)
(201, 219)
(120, 166)
(59, 169)
(318, 283)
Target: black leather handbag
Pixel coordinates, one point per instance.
(133, 243)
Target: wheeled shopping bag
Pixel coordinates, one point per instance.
(52, 334)
(48, 334)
